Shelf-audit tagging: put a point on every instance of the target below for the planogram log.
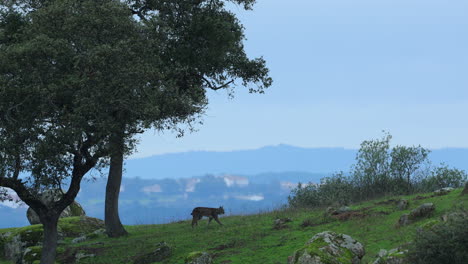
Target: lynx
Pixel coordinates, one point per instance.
(199, 212)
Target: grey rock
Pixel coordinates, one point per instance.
(402, 204)
(199, 258)
(82, 255)
(280, 223)
(423, 210)
(443, 191)
(341, 210)
(78, 239)
(49, 196)
(18, 242)
(404, 220)
(393, 256)
(336, 246)
(161, 252)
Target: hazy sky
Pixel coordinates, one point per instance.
(344, 70)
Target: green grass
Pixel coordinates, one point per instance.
(252, 239)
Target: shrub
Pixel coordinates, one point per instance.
(442, 177)
(442, 244)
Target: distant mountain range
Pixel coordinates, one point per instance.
(279, 158)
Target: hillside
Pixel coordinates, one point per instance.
(252, 238)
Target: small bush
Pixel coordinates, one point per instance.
(442, 244)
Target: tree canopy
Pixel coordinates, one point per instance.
(74, 74)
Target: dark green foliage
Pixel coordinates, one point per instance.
(441, 244)
(334, 190)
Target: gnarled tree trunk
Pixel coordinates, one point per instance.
(114, 227)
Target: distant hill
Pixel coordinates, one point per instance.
(267, 159)
(155, 201)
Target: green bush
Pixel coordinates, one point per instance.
(442, 244)
(442, 177)
(335, 190)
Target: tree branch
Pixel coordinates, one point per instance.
(214, 87)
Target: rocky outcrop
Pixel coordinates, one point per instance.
(402, 204)
(393, 256)
(280, 223)
(443, 191)
(22, 245)
(199, 257)
(341, 210)
(423, 210)
(329, 248)
(49, 196)
(161, 252)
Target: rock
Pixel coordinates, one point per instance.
(402, 204)
(198, 257)
(50, 196)
(420, 212)
(19, 240)
(81, 255)
(79, 226)
(393, 256)
(341, 210)
(280, 223)
(92, 235)
(78, 239)
(31, 255)
(404, 220)
(443, 191)
(329, 248)
(161, 252)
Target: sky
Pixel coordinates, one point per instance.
(343, 71)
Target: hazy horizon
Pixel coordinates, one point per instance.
(343, 72)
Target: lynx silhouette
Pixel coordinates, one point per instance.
(199, 212)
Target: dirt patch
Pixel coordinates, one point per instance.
(226, 261)
(391, 201)
(419, 197)
(223, 246)
(349, 215)
(311, 222)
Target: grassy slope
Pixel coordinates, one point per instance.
(251, 238)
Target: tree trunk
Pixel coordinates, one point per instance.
(114, 227)
(465, 190)
(49, 244)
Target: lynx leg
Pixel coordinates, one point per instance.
(209, 221)
(217, 220)
(194, 221)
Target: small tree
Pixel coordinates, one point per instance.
(371, 171)
(405, 161)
